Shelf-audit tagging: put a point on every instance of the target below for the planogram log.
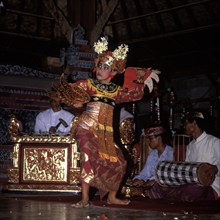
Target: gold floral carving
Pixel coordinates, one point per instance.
(45, 164)
(14, 155)
(126, 129)
(74, 176)
(75, 156)
(42, 139)
(13, 175)
(13, 127)
(44, 187)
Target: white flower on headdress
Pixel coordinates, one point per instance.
(121, 52)
(101, 45)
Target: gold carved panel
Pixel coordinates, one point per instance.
(45, 164)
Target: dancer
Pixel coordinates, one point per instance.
(102, 163)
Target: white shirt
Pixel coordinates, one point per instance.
(48, 118)
(206, 148)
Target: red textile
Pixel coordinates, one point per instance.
(189, 192)
(98, 172)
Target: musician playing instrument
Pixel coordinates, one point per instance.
(161, 150)
(54, 120)
(204, 148)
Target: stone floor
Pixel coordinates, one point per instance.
(26, 209)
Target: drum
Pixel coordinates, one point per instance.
(172, 173)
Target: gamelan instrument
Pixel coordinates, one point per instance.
(172, 173)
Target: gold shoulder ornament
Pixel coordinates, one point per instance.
(69, 94)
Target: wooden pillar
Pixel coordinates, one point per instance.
(83, 12)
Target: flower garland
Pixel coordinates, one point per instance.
(121, 52)
(118, 54)
(101, 45)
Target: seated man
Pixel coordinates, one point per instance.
(204, 148)
(53, 120)
(158, 140)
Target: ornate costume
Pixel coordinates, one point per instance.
(102, 163)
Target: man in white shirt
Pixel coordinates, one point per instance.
(54, 120)
(204, 148)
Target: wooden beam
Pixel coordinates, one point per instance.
(28, 14)
(170, 34)
(107, 11)
(60, 19)
(160, 11)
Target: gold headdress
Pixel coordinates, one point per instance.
(115, 59)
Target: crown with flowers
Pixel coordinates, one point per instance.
(115, 59)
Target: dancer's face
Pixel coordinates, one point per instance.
(103, 72)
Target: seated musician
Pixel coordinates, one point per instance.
(54, 120)
(204, 148)
(161, 150)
